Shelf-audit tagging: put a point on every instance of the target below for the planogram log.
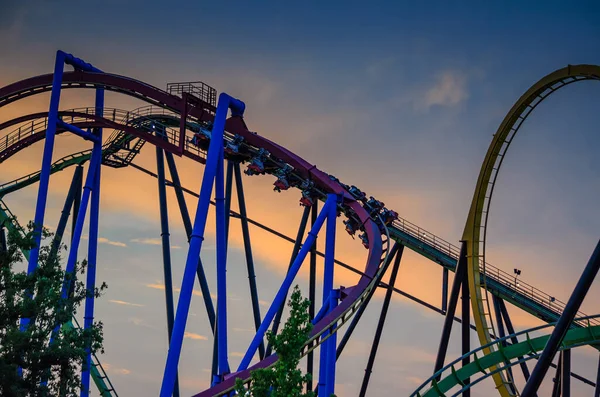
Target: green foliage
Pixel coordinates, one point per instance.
(29, 349)
(284, 379)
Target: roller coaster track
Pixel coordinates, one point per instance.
(525, 296)
(378, 247)
(481, 274)
(475, 231)
(503, 354)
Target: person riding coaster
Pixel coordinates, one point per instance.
(351, 226)
(388, 216)
(257, 164)
(282, 182)
(307, 199)
(357, 194)
(365, 240)
(373, 206)
(233, 147)
(202, 136)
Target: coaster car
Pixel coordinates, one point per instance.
(257, 164)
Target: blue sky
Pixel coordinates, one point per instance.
(398, 98)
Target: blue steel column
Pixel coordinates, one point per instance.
(166, 248)
(221, 266)
(461, 270)
(356, 318)
(76, 238)
(76, 202)
(566, 373)
(557, 378)
(327, 360)
(40, 206)
(597, 390)
(465, 327)
(285, 286)
(64, 215)
(511, 331)
(215, 154)
(187, 223)
(444, 290)
(501, 334)
(380, 324)
(563, 324)
(248, 252)
(92, 249)
(312, 288)
(228, 194)
(331, 346)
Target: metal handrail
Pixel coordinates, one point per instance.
(494, 273)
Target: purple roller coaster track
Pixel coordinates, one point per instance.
(190, 120)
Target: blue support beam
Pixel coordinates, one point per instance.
(312, 280)
(356, 318)
(563, 324)
(597, 388)
(92, 249)
(187, 223)
(40, 205)
(459, 276)
(248, 252)
(381, 323)
(215, 155)
(287, 283)
(87, 135)
(331, 347)
(566, 373)
(327, 353)
(74, 190)
(95, 161)
(166, 248)
(221, 267)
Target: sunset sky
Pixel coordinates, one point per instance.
(398, 98)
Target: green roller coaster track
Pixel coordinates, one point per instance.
(103, 383)
(526, 350)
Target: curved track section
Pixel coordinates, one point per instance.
(475, 231)
(324, 184)
(165, 111)
(519, 352)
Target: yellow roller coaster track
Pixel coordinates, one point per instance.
(476, 226)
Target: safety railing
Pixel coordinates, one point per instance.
(197, 88)
(137, 118)
(494, 273)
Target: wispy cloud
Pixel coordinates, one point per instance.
(162, 287)
(152, 241)
(236, 354)
(118, 302)
(449, 89)
(112, 369)
(191, 335)
(104, 240)
(147, 241)
(234, 329)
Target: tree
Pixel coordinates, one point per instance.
(38, 297)
(284, 379)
